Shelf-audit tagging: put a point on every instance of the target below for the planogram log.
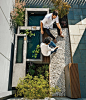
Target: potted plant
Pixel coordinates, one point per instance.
(63, 9)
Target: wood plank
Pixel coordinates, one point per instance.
(74, 81)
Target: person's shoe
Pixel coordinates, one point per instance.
(62, 36)
(59, 48)
(55, 41)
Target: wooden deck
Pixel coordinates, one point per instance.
(72, 81)
(45, 59)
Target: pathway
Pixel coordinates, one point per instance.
(59, 60)
(77, 31)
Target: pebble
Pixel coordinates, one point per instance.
(59, 60)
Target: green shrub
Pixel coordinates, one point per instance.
(18, 13)
(31, 69)
(34, 88)
(37, 70)
(61, 6)
(43, 70)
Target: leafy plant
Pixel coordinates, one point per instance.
(31, 69)
(29, 33)
(61, 6)
(18, 13)
(38, 69)
(34, 87)
(43, 70)
(36, 52)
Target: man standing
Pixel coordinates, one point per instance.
(47, 23)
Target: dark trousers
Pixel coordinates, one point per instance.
(48, 31)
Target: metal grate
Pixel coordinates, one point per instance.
(38, 3)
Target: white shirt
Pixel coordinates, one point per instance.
(48, 22)
(45, 49)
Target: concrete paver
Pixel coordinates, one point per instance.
(82, 27)
(74, 30)
(77, 38)
(82, 32)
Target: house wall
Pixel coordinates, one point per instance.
(6, 43)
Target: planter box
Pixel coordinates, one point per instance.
(19, 65)
(34, 15)
(32, 42)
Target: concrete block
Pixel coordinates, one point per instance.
(75, 6)
(84, 11)
(83, 55)
(82, 32)
(74, 30)
(76, 58)
(75, 21)
(70, 15)
(81, 66)
(72, 39)
(74, 47)
(84, 21)
(82, 6)
(76, 17)
(82, 27)
(77, 38)
(79, 23)
(77, 12)
(82, 46)
(69, 22)
(85, 26)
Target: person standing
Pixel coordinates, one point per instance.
(48, 22)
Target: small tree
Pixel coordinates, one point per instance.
(61, 6)
(18, 13)
(34, 87)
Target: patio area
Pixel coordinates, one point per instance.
(73, 49)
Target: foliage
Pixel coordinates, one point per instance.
(61, 6)
(36, 52)
(31, 69)
(18, 13)
(43, 70)
(34, 87)
(45, 6)
(38, 69)
(29, 33)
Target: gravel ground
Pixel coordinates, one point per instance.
(59, 60)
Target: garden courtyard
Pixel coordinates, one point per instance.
(66, 68)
